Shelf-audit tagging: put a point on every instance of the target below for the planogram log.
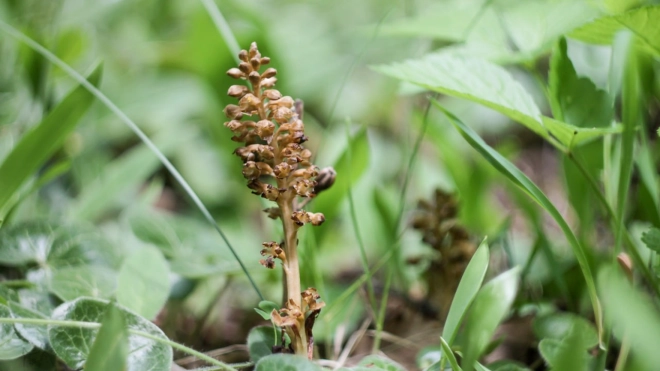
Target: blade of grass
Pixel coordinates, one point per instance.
(223, 28)
(449, 355)
(380, 320)
(16, 34)
(520, 179)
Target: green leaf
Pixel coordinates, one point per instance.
(143, 285)
(467, 289)
(576, 100)
(266, 308)
(633, 314)
(72, 344)
(260, 342)
(36, 146)
(11, 345)
(572, 136)
(286, 362)
(569, 353)
(110, 349)
(429, 358)
(36, 335)
(447, 352)
(473, 79)
(50, 245)
(350, 167)
(559, 326)
(490, 307)
(643, 22)
(69, 283)
(380, 363)
(514, 174)
(651, 239)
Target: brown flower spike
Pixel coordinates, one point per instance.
(278, 167)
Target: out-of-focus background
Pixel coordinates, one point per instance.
(164, 65)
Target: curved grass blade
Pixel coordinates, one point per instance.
(223, 27)
(521, 180)
(466, 291)
(16, 34)
(446, 352)
(39, 144)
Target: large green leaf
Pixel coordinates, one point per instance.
(473, 79)
(490, 307)
(643, 22)
(286, 362)
(569, 353)
(466, 291)
(576, 100)
(144, 284)
(633, 314)
(72, 344)
(37, 335)
(514, 174)
(349, 167)
(51, 245)
(36, 147)
(572, 136)
(69, 283)
(11, 345)
(110, 349)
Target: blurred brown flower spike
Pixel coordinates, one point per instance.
(277, 167)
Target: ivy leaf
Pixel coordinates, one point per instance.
(144, 282)
(651, 239)
(110, 349)
(380, 363)
(72, 344)
(559, 325)
(260, 342)
(69, 283)
(11, 346)
(286, 362)
(36, 335)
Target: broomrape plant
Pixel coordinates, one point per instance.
(277, 167)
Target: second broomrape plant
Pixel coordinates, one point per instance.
(278, 168)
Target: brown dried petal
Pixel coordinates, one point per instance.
(265, 129)
(299, 217)
(282, 170)
(233, 112)
(273, 212)
(325, 179)
(235, 125)
(271, 193)
(269, 262)
(316, 218)
(250, 170)
(304, 187)
(286, 321)
(264, 168)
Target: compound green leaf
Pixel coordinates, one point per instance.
(286, 362)
(110, 349)
(11, 345)
(643, 22)
(473, 79)
(576, 100)
(36, 147)
(490, 307)
(36, 335)
(467, 289)
(144, 284)
(72, 345)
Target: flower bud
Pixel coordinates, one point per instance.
(273, 212)
(237, 91)
(243, 55)
(249, 103)
(272, 94)
(264, 129)
(325, 179)
(255, 63)
(264, 60)
(254, 78)
(269, 72)
(250, 170)
(268, 83)
(271, 193)
(282, 170)
(235, 73)
(233, 112)
(245, 67)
